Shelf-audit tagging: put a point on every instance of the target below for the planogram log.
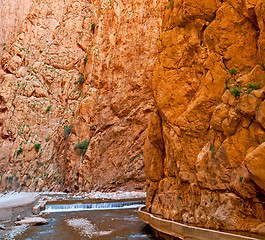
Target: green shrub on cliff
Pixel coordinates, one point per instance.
(212, 149)
(93, 26)
(233, 71)
(253, 86)
(67, 131)
(171, 4)
(20, 150)
(48, 109)
(236, 92)
(81, 147)
(85, 59)
(80, 80)
(262, 65)
(37, 147)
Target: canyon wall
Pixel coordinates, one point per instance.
(12, 13)
(205, 150)
(77, 91)
(75, 94)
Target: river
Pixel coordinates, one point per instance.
(90, 219)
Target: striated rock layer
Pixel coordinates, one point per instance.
(75, 94)
(205, 150)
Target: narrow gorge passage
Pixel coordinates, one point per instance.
(164, 97)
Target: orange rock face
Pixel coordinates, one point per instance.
(75, 95)
(77, 91)
(12, 13)
(204, 154)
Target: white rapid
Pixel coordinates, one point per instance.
(92, 206)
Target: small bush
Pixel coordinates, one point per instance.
(262, 65)
(85, 59)
(37, 147)
(81, 147)
(171, 4)
(136, 157)
(81, 80)
(20, 150)
(48, 109)
(233, 71)
(212, 149)
(253, 86)
(67, 131)
(47, 138)
(236, 92)
(93, 26)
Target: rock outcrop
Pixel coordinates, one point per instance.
(204, 153)
(75, 95)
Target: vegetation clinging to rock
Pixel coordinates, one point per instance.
(81, 147)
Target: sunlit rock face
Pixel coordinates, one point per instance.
(204, 152)
(12, 13)
(75, 93)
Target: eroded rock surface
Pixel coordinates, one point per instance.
(204, 153)
(75, 95)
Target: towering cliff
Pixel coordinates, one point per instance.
(75, 93)
(205, 151)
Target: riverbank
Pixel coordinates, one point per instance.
(167, 229)
(13, 205)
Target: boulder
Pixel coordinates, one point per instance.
(32, 221)
(255, 162)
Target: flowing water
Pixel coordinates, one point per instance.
(93, 219)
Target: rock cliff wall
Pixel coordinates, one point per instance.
(204, 154)
(76, 93)
(77, 76)
(12, 13)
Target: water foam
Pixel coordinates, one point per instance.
(92, 206)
